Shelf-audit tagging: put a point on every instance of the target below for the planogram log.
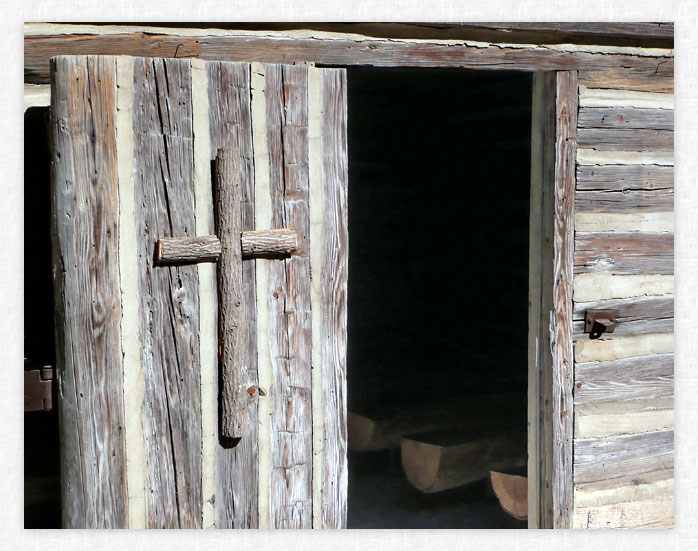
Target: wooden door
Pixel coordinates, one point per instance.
(137, 346)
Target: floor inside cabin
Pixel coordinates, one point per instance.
(439, 163)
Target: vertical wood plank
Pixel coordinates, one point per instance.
(289, 307)
(335, 264)
(85, 231)
(230, 127)
(164, 180)
(541, 301)
(563, 362)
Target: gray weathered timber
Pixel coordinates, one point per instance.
(637, 327)
(660, 79)
(632, 309)
(84, 232)
(540, 385)
(618, 456)
(169, 295)
(563, 362)
(624, 253)
(230, 127)
(627, 379)
(289, 303)
(207, 248)
(625, 139)
(184, 250)
(626, 117)
(625, 178)
(235, 395)
(625, 201)
(341, 51)
(655, 30)
(335, 264)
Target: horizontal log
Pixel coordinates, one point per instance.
(652, 513)
(625, 178)
(207, 248)
(625, 139)
(637, 327)
(659, 79)
(615, 157)
(626, 117)
(624, 253)
(374, 432)
(627, 379)
(512, 492)
(624, 201)
(637, 487)
(592, 287)
(337, 50)
(434, 462)
(621, 456)
(633, 309)
(624, 346)
(601, 419)
(595, 97)
(624, 222)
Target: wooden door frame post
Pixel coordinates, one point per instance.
(550, 358)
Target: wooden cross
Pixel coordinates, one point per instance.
(229, 247)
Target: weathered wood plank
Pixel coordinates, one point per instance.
(624, 253)
(660, 79)
(626, 379)
(625, 178)
(652, 513)
(652, 323)
(593, 97)
(624, 222)
(591, 287)
(638, 487)
(230, 127)
(625, 139)
(335, 264)
(615, 157)
(289, 303)
(339, 51)
(619, 456)
(235, 395)
(633, 316)
(614, 348)
(169, 308)
(626, 117)
(625, 201)
(602, 419)
(540, 430)
(655, 30)
(84, 232)
(563, 363)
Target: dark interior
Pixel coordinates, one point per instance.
(439, 163)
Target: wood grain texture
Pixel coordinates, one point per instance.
(624, 253)
(652, 513)
(289, 303)
(563, 363)
(625, 178)
(619, 456)
(187, 250)
(625, 139)
(341, 51)
(540, 430)
(638, 487)
(84, 232)
(601, 419)
(335, 265)
(169, 301)
(659, 79)
(269, 243)
(235, 394)
(626, 117)
(625, 201)
(626, 379)
(633, 316)
(230, 127)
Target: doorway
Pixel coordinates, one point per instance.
(439, 203)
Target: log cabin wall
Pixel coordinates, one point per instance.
(624, 261)
(622, 454)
